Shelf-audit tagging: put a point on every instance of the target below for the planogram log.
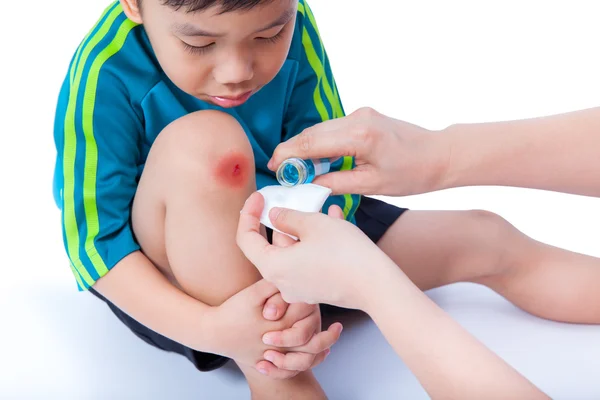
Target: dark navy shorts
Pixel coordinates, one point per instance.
(373, 217)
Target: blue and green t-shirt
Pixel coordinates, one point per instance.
(116, 99)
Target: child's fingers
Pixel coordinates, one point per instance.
(321, 341)
(320, 358)
(293, 361)
(268, 369)
(299, 334)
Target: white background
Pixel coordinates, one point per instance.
(429, 62)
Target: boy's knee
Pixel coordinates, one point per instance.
(209, 144)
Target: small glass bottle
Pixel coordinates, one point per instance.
(296, 171)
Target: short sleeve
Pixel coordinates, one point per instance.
(314, 96)
(96, 133)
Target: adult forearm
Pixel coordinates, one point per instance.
(140, 290)
(558, 153)
(447, 360)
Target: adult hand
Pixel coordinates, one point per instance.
(329, 264)
(392, 157)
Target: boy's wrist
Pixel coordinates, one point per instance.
(207, 331)
(216, 333)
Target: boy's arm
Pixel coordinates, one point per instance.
(97, 132)
(558, 152)
(314, 97)
(140, 290)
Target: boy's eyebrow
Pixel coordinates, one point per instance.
(191, 30)
(282, 20)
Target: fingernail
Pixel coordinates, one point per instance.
(263, 371)
(268, 339)
(269, 358)
(327, 352)
(271, 311)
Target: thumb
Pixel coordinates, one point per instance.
(275, 308)
(292, 222)
(261, 291)
(249, 238)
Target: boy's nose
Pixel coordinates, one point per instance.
(234, 70)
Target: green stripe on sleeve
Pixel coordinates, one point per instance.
(318, 67)
(82, 45)
(69, 153)
(91, 148)
(70, 150)
(319, 61)
(311, 54)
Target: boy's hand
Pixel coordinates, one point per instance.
(240, 327)
(299, 348)
(275, 308)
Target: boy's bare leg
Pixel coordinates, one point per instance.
(435, 248)
(198, 175)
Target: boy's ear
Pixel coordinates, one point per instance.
(132, 9)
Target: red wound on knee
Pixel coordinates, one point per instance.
(233, 170)
(237, 169)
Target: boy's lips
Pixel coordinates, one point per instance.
(231, 101)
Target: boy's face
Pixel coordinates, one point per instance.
(219, 58)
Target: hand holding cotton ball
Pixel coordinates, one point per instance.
(305, 198)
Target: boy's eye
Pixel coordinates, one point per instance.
(274, 38)
(195, 50)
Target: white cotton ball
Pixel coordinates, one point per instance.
(305, 198)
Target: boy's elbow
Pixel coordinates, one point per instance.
(122, 276)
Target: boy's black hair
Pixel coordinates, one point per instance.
(225, 5)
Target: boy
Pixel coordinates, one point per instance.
(165, 125)
(168, 108)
